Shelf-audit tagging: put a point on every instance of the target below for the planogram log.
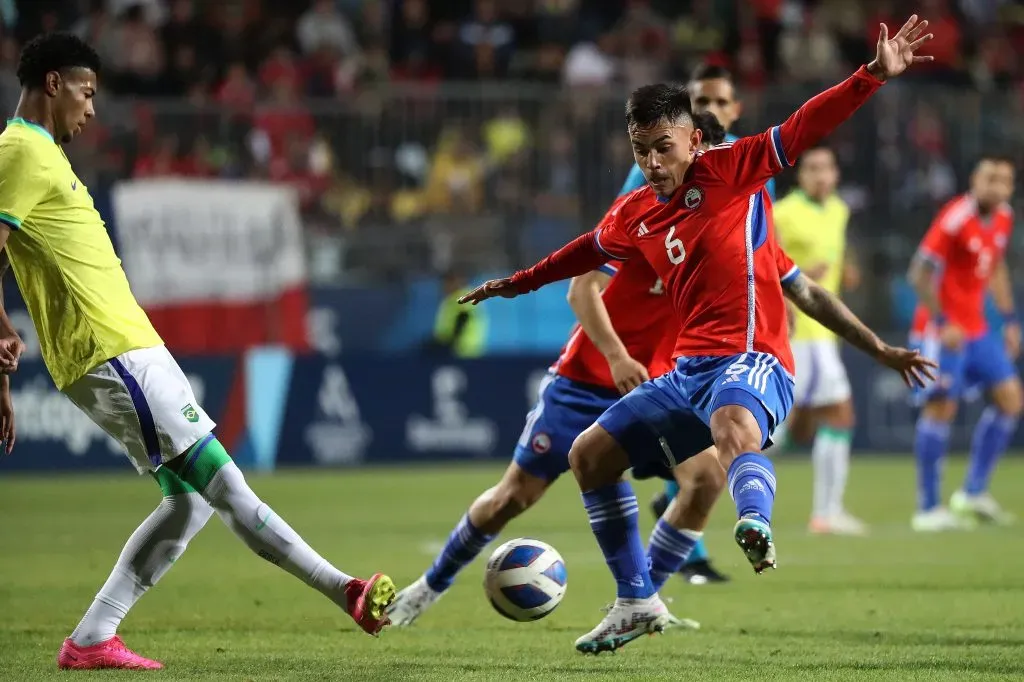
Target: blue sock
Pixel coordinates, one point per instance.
(614, 517)
(699, 553)
(668, 550)
(464, 544)
(930, 442)
(991, 438)
(752, 484)
(671, 490)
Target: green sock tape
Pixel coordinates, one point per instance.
(203, 462)
(836, 434)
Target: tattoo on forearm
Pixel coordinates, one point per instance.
(827, 309)
(922, 278)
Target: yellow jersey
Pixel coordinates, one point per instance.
(813, 234)
(72, 282)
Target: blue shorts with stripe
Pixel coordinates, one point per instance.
(666, 421)
(564, 409)
(964, 372)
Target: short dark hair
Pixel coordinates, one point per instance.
(713, 132)
(997, 157)
(651, 104)
(819, 147)
(707, 72)
(54, 52)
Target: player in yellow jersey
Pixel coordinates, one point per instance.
(105, 356)
(811, 226)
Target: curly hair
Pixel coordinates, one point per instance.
(54, 52)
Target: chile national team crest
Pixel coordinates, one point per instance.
(541, 443)
(693, 198)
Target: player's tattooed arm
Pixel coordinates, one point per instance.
(827, 309)
(922, 277)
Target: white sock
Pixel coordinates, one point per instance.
(149, 553)
(821, 464)
(269, 536)
(840, 456)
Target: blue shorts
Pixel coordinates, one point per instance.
(666, 421)
(563, 411)
(977, 366)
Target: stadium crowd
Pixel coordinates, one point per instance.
(483, 128)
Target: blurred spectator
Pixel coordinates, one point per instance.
(505, 135)
(138, 56)
(588, 65)
(456, 180)
(324, 26)
(484, 43)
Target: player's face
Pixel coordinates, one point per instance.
(73, 107)
(992, 183)
(819, 174)
(718, 96)
(664, 152)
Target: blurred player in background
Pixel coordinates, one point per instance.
(811, 225)
(702, 224)
(963, 256)
(712, 90)
(105, 356)
(625, 336)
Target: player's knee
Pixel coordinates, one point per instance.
(596, 459)
(943, 410)
(1009, 398)
(735, 431)
(840, 417)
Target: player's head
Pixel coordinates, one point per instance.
(711, 131)
(992, 181)
(712, 89)
(61, 70)
(661, 129)
(818, 173)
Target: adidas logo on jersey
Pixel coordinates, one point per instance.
(753, 484)
(642, 231)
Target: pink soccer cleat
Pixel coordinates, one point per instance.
(109, 654)
(367, 601)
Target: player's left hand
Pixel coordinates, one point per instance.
(894, 55)
(11, 348)
(912, 366)
(1012, 339)
(490, 289)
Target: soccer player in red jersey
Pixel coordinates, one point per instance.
(961, 258)
(625, 336)
(704, 226)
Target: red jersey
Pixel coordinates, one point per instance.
(643, 319)
(712, 243)
(965, 247)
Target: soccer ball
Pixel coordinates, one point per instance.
(525, 579)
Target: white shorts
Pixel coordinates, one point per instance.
(820, 375)
(143, 400)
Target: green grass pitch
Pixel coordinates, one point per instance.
(893, 606)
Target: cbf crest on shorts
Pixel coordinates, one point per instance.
(693, 198)
(190, 414)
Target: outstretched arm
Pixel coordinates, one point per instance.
(579, 256)
(751, 161)
(818, 303)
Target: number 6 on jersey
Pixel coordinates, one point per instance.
(674, 247)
